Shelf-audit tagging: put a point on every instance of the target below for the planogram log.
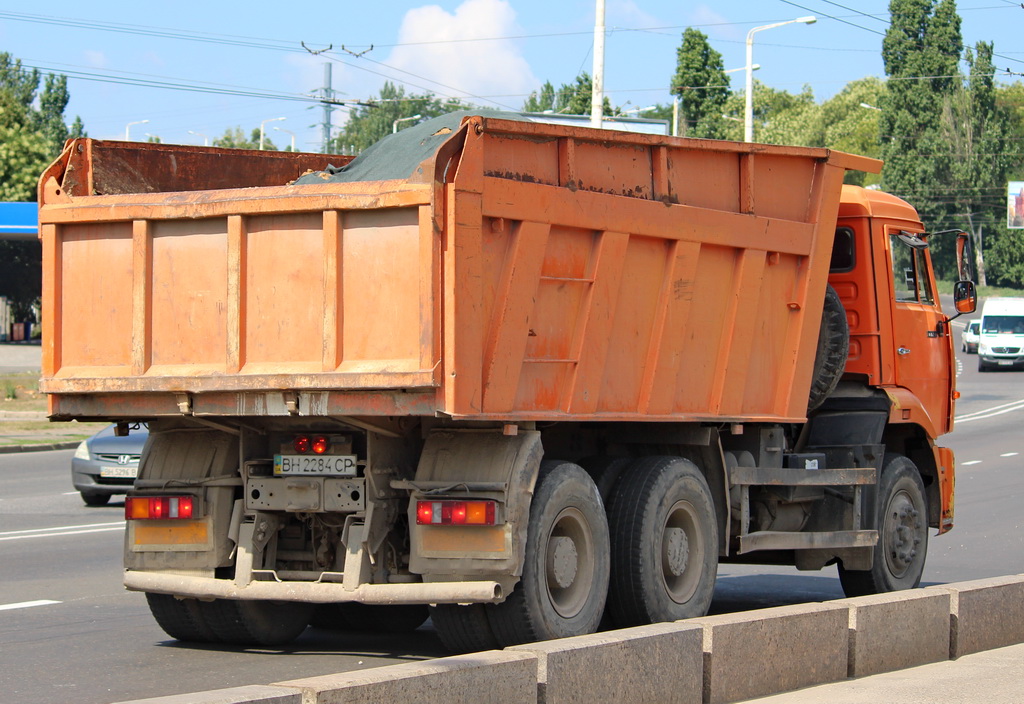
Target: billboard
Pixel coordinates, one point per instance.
(1015, 205)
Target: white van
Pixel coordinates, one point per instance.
(1001, 343)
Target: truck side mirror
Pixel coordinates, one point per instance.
(965, 297)
(964, 258)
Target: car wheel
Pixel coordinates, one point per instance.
(95, 499)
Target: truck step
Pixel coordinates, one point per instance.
(778, 540)
(780, 476)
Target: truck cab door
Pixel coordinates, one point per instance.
(922, 349)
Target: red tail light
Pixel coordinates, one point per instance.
(321, 445)
(158, 507)
(456, 513)
(302, 444)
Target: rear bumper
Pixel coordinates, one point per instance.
(315, 592)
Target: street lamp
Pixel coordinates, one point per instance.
(206, 140)
(675, 100)
(281, 129)
(128, 127)
(394, 125)
(262, 124)
(748, 112)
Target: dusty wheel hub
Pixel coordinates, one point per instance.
(677, 551)
(904, 527)
(563, 561)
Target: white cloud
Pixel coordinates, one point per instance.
(441, 62)
(96, 59)
(705, 19)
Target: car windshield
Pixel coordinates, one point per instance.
(974, 327)
(1005, 324)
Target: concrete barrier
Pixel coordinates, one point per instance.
(490, 677)
(899, 630)
(716, 659)
(657, 663)
(985, 614)
(757, 653)
(251, 694)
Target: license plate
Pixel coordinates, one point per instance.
(120, 472)
(333, 465)
(1006, 362)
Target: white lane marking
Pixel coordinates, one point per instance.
(966, 464)
(1009, 454)
(991, 412)
(27, 604)
(69, 493)
(61, 530)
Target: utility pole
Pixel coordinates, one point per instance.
(327, 99)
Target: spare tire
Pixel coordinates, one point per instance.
(833, 349)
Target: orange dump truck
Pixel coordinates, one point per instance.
(524, 375)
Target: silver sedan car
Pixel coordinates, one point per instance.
(105, 465)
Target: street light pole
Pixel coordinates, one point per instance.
(127, 127)
(748, 107)
(394, 125)
(597, 80)
(262, 124)
(282, 129)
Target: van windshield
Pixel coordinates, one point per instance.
(1005, 324)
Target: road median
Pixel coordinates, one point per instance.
(715, 659)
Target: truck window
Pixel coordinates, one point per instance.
(910, 272)
(843, 257)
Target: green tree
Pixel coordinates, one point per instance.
(234, 138)
(980, 133)
(30, 137)
(369, 123)
(850, 120)
(570, 98)
(702, 87)
(780, 117)
(921, 52)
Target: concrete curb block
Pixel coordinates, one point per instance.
(715, 659)
(754, 654)
(49, 447)
(898, 631)
(623, 666)
(985, 614)
(250, 694)
(502, 677)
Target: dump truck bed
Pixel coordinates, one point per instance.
(520, 270)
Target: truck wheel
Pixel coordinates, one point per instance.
(256, 622)
(665, 543)
(902, 533)
(833, 349)
(463, 629)
(181, 619)
(564, 584)
(605, 471)
(400, 618)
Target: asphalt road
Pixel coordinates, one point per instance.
(69, 631)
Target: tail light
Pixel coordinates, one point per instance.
(456, 513)
(159, 507)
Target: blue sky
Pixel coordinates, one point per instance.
(221, 65)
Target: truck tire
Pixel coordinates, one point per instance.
(605, 471)
(564, 583)
(902, 533)
(353, 616)
(463, 629)
(833, 349)
(181, 619)
(665, 543)
(256, 623)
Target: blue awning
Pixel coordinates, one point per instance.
(19, 220)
